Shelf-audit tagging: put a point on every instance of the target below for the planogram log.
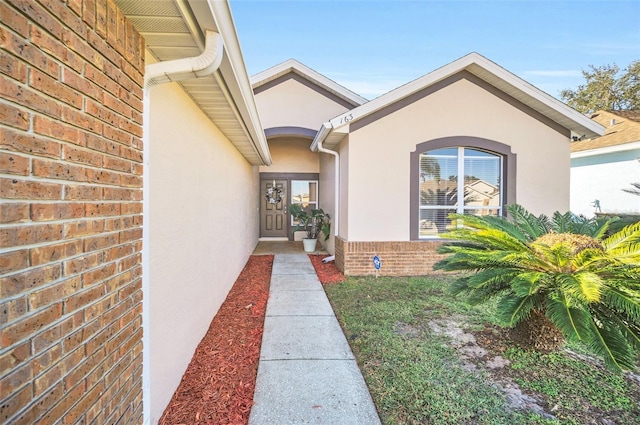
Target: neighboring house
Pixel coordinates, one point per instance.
(388, 170)
(133, 195)
(602, 167)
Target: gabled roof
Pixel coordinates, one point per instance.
(622, 133)
(297, 68)
(174, 29)
(332, 132)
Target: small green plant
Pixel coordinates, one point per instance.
(561, 273)
(313, 223)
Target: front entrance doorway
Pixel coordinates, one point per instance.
(273, 211)
(277, 193)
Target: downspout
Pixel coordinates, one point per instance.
(202, 65)
(324, 132)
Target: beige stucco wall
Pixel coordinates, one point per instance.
(292, 104)
(379, 157)
(327, 194)
(203, 225)
(291, 155)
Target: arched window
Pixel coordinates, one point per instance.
(464, 175)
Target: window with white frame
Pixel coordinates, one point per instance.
(460, 180)
(305, 194)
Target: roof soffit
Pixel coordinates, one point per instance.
(174, 29)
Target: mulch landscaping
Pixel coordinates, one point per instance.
(218, 385)
(327, 273)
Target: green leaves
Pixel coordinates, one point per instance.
(589, 289)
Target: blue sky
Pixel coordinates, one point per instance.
(372, 47)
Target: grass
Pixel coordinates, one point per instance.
(416, 376)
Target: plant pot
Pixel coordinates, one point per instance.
(309, 245)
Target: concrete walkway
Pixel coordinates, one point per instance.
(307, 373)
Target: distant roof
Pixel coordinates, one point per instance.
(295, 67)
(334, 130)
(622, 128)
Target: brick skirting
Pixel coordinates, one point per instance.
(412, 258)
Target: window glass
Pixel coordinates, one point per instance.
(304, 193)
(440, 185)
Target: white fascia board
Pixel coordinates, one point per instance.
(292, 65)
(454, 67)
(609, 149)
(233, 71)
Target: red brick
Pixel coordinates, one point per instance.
(76, 6)
(40, 406)
(29, 279)
(130, 153)
(83, 368)
(30, 325)
(83, 228)
(14, 20)
(12, 310)
(14, 164)
(39, 15)
(102, 144)
(81, 264)
(55, 129)
(80, 46)
(131, 181)
(13, 212)
(27, 52)
(13, 261)
(57, 211)
(14, 117)
(100, 242)
(130, 235)
(47, 85)
(58, 170)
(118, 252)
(13, 403)
(118, 194)
(130, 262)
(98, 340)
(55, 374)
(78, 410)
(11, 67)
(97, 309)
(28, 235)
(102, 209)
(98, 275)
(28, 189)
(104, 177)
(101, 80)
(81, 120)
(55, 48)
(130, 127)
(102, 47)
(69, 399)
(81, 299)
(116, 104)
(14, 357)
(101, 18)
(54, 334)
(66, 15)
(99, 111)
(117, 164)
(57, 291)
(27, 143)
(117, 135)
(81, 84)
(26, 96)
(83, 193)
(131, 100)
(50, 253)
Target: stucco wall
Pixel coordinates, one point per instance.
(291, 155)
(603, 177)
(293, 104)
(379, 156)
(327, 194)
(203, 224)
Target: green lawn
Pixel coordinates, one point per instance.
(417, 374)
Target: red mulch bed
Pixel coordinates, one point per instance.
(218, 386)
(327, 273)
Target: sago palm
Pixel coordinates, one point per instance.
(562, 268)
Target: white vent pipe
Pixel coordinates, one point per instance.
(187, 68)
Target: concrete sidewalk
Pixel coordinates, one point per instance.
(307, 373)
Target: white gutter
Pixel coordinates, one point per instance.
(609, 149)
(324, 131)
(205, 64)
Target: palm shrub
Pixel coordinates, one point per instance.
(562, 269)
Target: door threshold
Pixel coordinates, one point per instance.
(273, 239)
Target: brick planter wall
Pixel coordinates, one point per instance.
(413, 258)
(71, 76)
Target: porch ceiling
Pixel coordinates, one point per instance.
(174, 29)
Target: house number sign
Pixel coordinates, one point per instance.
(376, 262)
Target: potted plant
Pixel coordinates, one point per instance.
(313, 223)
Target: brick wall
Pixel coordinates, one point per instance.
(413, 258)
(70, 218)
